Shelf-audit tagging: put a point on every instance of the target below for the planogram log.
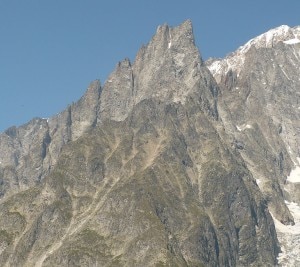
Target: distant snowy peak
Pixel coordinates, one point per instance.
(234, 61)
(280, 34)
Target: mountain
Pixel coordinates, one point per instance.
(172, 162)
(260, 107)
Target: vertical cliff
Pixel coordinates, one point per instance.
(172, 162)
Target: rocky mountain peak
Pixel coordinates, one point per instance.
(168, 68)
(167, 36)
(162, 166)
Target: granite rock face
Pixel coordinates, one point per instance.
(29, 152)
(169, 68)
(259, 104)
(167, 164)
(260, 101)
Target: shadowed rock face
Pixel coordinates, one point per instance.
(158, 167)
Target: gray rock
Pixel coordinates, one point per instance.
(29, 152)
(160, 167)
(260, 96)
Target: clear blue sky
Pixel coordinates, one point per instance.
(50, 50)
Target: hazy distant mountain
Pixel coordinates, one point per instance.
(172, 162)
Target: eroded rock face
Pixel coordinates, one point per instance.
(260, 101)
(29, 152)
(139, 193)
(169, 68)
(162, 166)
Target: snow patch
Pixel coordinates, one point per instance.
(289, 238)
(215, 67)
(243, 127)
(267, 39)
(294, 176)
(235, 60)
(292, 41)
(170, 42)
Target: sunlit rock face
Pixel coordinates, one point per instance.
(172, 162)
(260, 99)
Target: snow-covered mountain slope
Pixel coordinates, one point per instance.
(235, 61)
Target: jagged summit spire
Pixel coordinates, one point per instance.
(168, 36)
(168, 68)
